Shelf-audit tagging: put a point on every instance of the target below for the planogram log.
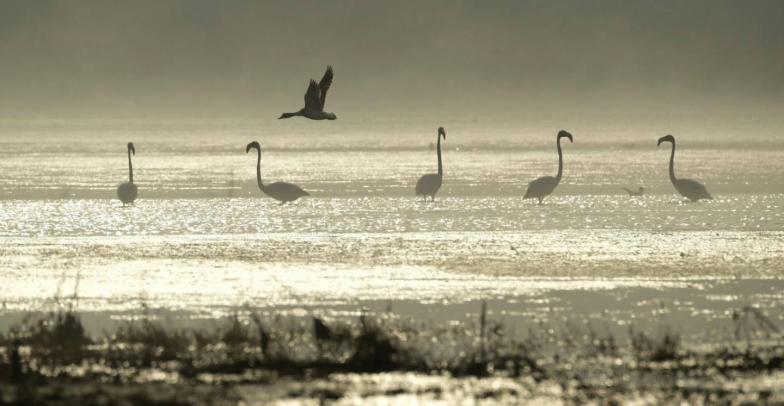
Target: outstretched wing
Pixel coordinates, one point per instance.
(313, 97)
(325, 83)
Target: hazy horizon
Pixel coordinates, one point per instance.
(502, 59)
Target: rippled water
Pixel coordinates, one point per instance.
(203, 239)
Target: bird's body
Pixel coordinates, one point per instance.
(280, 191)
(127, 192)
(544, 186)
(315, 99)
(690, 189)
(428, 185)
(541, 188)
(638, 192)
(284, 192)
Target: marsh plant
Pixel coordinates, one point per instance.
(588, 363)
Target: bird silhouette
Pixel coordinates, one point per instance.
(688, 188)
(428, 185)
(544, 186)
(638, 192)
(280, 191)
(315, 99)
(128, 191)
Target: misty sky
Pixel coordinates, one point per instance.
(500, 58)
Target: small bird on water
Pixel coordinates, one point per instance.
(638, 192)
(315, 98)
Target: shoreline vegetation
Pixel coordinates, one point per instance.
(52, 360)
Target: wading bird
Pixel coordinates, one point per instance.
(542, 187)
(280, 191)
(127, 192)
(315, 98)
(690, 189)
(637, 192)
(429, 184)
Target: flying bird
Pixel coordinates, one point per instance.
(690, 189)
(128, 191)
(542, 187)
(637, 192)
(280, 191)
(315, 98)
(429, 184)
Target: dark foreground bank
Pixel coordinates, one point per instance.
(265, 360)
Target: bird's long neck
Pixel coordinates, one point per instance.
(289, 115)
(258, 170)
(672, 164)
(560, 162)
(438, 149)
(130, 167)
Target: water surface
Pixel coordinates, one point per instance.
(203, 241)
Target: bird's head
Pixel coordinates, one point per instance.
(641, 188)
(131, 149)
(563, 133)
(253, 144)
(666, 138)
(331, 116)
(442, 133)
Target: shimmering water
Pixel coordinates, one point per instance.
(202, 239)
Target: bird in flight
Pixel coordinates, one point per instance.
(315, 98)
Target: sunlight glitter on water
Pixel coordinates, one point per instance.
(201, 285)
(203, 239)
(385, 215)
(183, 271)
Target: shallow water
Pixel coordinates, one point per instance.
(203, 241)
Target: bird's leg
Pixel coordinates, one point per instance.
(433, 198)
(540, 200)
